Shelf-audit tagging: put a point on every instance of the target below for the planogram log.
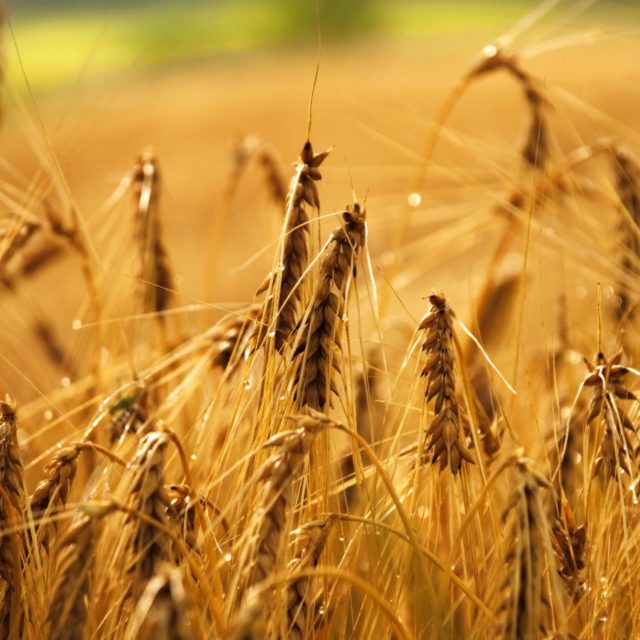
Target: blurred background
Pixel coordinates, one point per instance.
(63, 39)
(94, 82)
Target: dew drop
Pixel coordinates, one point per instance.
(65, 382)
(48, 414)
(194, 457)
(414, 199)
(227, 557)
(490, 50)
(247, 384)
(423, 512)
(76, 324)
(575, 357)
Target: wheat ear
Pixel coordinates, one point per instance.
(163, 609)
(53, 491)
(128, 414)
(319, 342)
(569, 542)
(261, 546)
(301, 601)
(525, 598)
(303, 193)
(444, 435)
(148, 545)
(615, 452)
(11, 509)
(68, 606)
(154, 268)
(232, 337)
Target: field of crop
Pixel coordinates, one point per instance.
(361, 367)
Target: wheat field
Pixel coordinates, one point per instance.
(291, 349)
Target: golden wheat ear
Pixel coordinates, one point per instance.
(163, 609)
(68, 607)
(288, 292)
(265, 157)
(444, 435)
(12, 502)
(148, 546)
(263, 539)
(303, 602)
(154, 269)
(626, 169)
(616, 454)
(52, 492)
(569, 543)
(236, 336)
(526, 600)
(316, 356)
